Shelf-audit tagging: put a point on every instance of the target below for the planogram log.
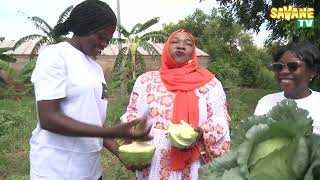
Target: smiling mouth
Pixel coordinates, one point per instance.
(285, 80)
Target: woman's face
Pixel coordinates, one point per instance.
(181, 47)
(293, 75)
(93, 44)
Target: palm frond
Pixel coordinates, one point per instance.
(8, 71)
(2, 82)
(123, 31)
(7, 58)
(64, 15)
(140, 64)
(41, 24)
(135, 28)
(26, 39)
(117, 40)
(148, 24)
(28, 68)
(120, 59)
(150, 49)
(5, 49)
(37, 46)
(155, 36)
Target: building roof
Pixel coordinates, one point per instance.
(111, 50)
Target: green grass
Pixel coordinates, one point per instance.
(14, 146)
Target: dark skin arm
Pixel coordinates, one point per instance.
(112, 145)
(52, 119)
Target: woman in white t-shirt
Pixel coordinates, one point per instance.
(70, 91)
(295, 66)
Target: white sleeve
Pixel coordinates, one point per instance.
(138, 107)
(261, 108)
(49, 76)
(216, 129)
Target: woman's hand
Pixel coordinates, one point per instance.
(129, 130)
(134, 167)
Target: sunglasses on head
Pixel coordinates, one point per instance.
(292, 66)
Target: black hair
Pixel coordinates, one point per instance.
(87, 17)
(304, 50)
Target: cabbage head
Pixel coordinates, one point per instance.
(276, 146)
(139, 153)
(181, 135)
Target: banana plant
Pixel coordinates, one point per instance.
(47, 38)
(129, 57)
(6, 58)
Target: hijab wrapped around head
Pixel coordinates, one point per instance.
(183, 79)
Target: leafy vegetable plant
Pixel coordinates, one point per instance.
(279, 145)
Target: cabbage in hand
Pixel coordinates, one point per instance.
(181, 135)
(136, 153)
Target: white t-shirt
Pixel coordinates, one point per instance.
(63, 71)
(310, 103)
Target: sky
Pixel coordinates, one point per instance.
(14, 22)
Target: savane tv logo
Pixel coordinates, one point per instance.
(304, 16)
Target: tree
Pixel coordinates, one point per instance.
(253, 13)
(14, 83)
(41, 24)
(194, 23)
(129, 57)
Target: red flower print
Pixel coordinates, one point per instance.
(212, 83)
(134, 96)
(150, 98)
(203, 89)
(164, 164)
(144, 78)
(159, 125)
(215, 152)
(226, 145)
(133, 106)
(166, 100)
(210, 110)
(186, 173)
(157, 80)
(131, 117)
(219, 129)
(168, 114)
(153, 112)
(161, 88)
(211, 139)
(154, 73)
(207, 128)
(228, 118)
(149, 87)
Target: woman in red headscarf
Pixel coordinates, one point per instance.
(180, 90)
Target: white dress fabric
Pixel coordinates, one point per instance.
(309, 103)
(150, 98)
(63, 72)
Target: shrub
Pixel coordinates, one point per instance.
(8, 120)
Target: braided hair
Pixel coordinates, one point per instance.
(87, 17)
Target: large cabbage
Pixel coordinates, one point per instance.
(139, 153)
(181, 135)
(276, 146)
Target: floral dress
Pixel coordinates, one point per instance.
(150, 98)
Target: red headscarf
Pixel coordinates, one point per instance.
(183, 79)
